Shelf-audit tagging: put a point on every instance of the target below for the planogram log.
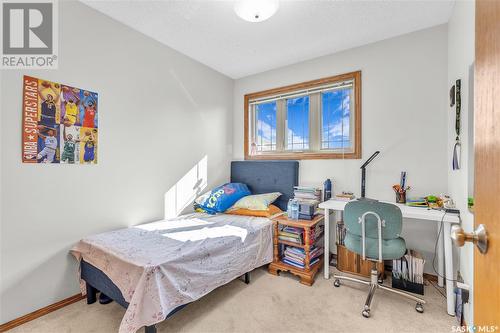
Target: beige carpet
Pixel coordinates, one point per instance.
(269, 304)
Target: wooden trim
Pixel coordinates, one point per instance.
(305, 85)
(430, 277)
(246, 124)
(356, 76)
(486, 160)
(357, 114)
(303, 156)
(41, 312)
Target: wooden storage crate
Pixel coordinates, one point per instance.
(352, 263)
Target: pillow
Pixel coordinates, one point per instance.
(257, 201)
(202, 198)
(221, 198)
(272, 210)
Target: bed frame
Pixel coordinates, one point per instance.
(96, 281)
(260, 176)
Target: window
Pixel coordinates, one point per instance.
(335, 117)
(312, 120)
(297, 123)
(265, 126)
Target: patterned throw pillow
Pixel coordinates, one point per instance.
(257, 201)
(271, 211)
(221, 198)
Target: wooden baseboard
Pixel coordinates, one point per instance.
(75, 298)
(41, 312)
(430, 277)
(388, 270)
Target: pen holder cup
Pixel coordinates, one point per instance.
(401, 197)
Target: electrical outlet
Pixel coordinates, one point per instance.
(452, 210)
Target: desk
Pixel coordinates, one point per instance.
(445, 267)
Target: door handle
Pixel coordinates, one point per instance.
(478, 237)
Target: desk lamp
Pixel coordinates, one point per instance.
(363, 172)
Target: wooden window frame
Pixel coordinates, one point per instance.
(356, 154)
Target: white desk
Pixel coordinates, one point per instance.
(411, 213)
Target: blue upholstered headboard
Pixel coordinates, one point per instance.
(267, 176)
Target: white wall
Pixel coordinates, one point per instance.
(460, 60)
(160, 114)
(404, 115)
(150, 94)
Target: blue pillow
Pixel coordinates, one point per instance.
(222, 197)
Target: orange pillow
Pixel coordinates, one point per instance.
(272, 210)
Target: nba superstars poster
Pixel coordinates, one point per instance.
(59, 123)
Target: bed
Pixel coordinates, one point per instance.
(154, 270)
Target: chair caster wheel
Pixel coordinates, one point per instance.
(336, 283)
(419, 308)
(366, 313)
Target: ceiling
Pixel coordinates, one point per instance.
(211, 33)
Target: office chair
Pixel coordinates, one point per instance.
(373, 230)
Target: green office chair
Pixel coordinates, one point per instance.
(373, 231)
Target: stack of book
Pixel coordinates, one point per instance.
(296, 257)
(296, 235)
(416, 202)
(308, 199)
(307, 193)
(408, 272)
(316, 233)
(410, 267)
(345, 196)
(341, 230)
(291, 234)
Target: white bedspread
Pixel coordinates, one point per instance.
(162, 265)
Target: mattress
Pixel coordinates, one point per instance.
(162, 265)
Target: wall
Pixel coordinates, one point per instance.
(161, 113)
(404, 115)
(460, 61)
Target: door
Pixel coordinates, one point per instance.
(487, 161)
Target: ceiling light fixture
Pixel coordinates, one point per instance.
(256, 10)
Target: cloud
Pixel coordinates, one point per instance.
(266, 131)
(297, 139)
(337, 129)
(346, 103)
(337, 133)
